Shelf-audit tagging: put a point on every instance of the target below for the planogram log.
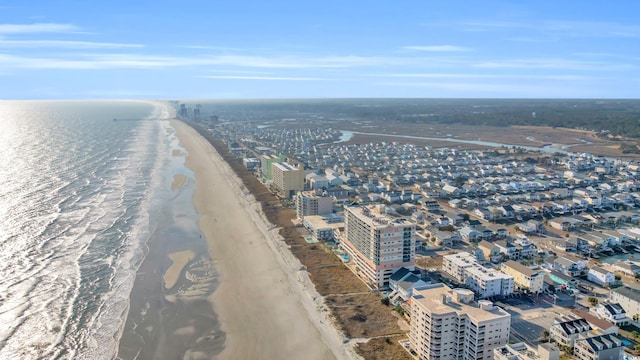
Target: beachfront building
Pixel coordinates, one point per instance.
(378, 244)
(266, 161)
(288, 179)
(308, 203)
(486, 282)
(612, 312)
(628, 298)
(567, 332)
(524, 278)
(447, 324)
(522, 351)
(323, 228)
(603, 347)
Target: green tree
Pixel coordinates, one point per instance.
(592, 300)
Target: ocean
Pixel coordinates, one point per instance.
(83, 200)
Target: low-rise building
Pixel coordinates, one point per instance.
(485, 282)
(567, 332)
(601, 276)
(320, 228)
(491, 251)
(612, 312)
(404, 281)
(309, 203)
(447, 324)
(628, 298)
(521, 351)
(524, 278)
(603, 347)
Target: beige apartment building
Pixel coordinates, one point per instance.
(287, 178)
(524, 278)
(378, 244)
(309, 204)
(447, 324)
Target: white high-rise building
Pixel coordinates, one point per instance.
(447, 324)
(379, 244)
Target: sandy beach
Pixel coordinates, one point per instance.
(264, 302)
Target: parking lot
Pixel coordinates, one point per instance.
(531, 316)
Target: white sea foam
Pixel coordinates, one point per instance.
(69, 249)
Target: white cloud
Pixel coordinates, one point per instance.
(557, 27)
(70, 44)
(484, 76)
(437, 48)
(36, 28)
(105, 61)
(552, 63)
(238, 77)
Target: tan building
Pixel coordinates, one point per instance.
(447, 324)
(378, 244)
(491, 251)
(523, 277)
(287, 178)
(309, 204)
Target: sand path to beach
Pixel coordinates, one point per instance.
(263, 312)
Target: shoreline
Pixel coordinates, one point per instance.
(168, 314)
(263, 294)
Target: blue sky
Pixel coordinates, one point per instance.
(296, 49)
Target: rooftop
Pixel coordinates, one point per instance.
(432, 299)
(521, 268)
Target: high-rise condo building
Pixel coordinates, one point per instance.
(287, 178)
(379, 244)
(447, 324)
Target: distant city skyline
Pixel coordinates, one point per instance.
(329, 49)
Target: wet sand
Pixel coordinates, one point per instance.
(179, 259)
(178, 181)
(263, 300)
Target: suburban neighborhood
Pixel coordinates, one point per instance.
(494, 253)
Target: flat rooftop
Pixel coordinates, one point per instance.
(431, 298)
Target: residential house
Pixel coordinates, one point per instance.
(599, 326)
(567, 332)
(628, 268)
(612, 312)
(524, 278)
(469, 234)
(603, 347)
(629, 299)
(508, 249)
(568, 266)
(491, 251)
(404, 281)
(601, 276)
(444, 238)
